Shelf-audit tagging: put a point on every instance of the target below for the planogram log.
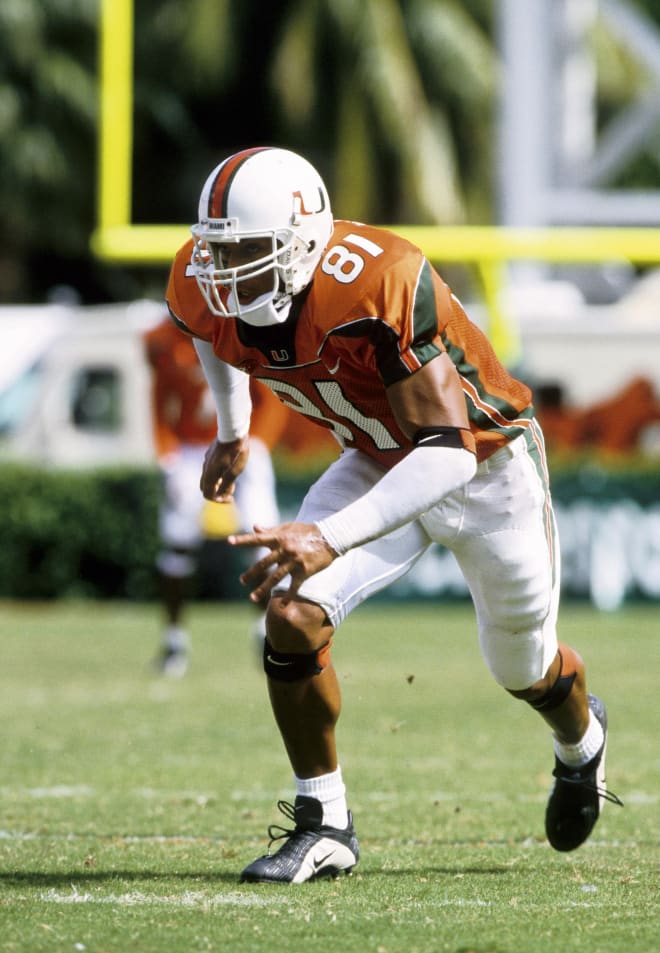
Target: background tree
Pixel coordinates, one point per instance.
(393, 100)
(47, 117)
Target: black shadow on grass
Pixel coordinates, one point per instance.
(80, 877)
(77, 877)
(444, 871)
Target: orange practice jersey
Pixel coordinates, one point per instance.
(376, 312)
(183, 409)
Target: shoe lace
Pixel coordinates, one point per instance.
(276, 831)
(589, 785)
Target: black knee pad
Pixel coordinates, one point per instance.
(559, 691)
(294, 666)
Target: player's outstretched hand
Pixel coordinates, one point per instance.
(296, 549)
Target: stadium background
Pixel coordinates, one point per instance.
(416, 116)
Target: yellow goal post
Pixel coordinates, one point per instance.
(116, 239)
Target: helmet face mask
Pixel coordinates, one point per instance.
(276, 198)
(220, 284)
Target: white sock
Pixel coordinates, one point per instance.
(329, 789)
(176, 639)
(574, 756)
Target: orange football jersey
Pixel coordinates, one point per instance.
(375, 312)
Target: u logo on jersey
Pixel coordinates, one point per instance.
(280, 357)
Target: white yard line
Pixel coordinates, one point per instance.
(204, 797)
(198, 899)
(205, 901)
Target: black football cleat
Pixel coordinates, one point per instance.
(311, 850)
(578, 794)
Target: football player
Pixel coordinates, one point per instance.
(351, 326)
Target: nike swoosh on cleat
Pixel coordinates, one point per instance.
(317, 861)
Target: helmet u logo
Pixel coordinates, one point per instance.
(299, 204)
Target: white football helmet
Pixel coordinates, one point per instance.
(260, 193)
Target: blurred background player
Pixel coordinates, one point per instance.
(185, 423)
(614, 425)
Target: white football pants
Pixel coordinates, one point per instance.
(501, 529)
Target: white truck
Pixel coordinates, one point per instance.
(75, 385)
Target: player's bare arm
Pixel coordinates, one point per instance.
(430, 398)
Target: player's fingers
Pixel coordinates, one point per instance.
(260, 569)
(294, 586)
(207, 486)
(216, 487)
(223, 492)
(260, 537)
(246, 539)
(265, 587)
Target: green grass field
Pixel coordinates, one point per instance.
(130, 804)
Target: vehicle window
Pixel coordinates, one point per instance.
(17, 400)
(95, 399)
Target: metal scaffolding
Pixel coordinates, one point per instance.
(555, 167)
